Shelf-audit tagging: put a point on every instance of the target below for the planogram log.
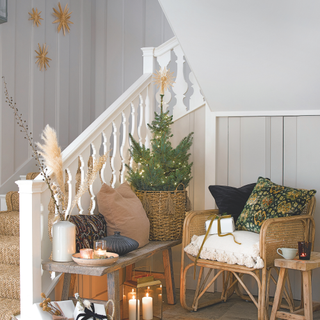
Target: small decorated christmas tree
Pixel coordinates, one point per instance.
(161, 168)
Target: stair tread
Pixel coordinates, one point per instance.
(9, 250)
(9, 223)
(9, 281)
(9, 308)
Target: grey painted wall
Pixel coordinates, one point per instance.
(90, 67)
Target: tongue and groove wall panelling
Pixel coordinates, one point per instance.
(301, 163)
(22, 65)
(8, 70)
(101, 36)
(134, 37)
(75, 76)
(60, 96)
(37, 79)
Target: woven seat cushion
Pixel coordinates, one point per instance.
(269, 200)
(88, 228)
(225, 249)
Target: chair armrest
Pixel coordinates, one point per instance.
(284, 232)
(194, 224)
(12, 200)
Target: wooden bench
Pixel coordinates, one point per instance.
(126, 261)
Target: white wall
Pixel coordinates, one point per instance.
(90, 67)
(251, 55)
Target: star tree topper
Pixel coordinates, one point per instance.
(63, 18)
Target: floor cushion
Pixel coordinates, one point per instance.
(124, 212)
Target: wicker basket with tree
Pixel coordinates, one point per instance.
(160, 174)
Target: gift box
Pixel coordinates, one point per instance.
(226, 224)
(96, 309)
(67, 307)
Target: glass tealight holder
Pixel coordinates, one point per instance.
(304, 250)
(86, 253)
(100, 249)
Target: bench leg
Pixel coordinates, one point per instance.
(307, 294)
(168, 271)
(68, 286)
(278, 293)
(113, 293)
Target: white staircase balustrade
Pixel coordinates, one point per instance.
(109, 133)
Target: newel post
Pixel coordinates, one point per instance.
(148, 59)
(30, 209)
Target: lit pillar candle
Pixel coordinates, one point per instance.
(147, 308)
(133, 309)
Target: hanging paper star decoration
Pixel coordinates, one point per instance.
(35, 16)
(63, 18)
(164, 79)
(43, 60)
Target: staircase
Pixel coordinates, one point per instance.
(10, 258)
(130, 113)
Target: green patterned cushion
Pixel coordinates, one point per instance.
(269, 200)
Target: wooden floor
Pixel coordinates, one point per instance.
(235, 308)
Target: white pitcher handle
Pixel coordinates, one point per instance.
(279, 252)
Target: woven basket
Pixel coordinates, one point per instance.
(166, 212)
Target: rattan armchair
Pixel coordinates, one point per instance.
(275, 233)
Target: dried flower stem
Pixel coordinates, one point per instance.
(47, 306)
(28, 136)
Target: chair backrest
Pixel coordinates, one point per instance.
(310, 207)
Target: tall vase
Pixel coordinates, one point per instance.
(63, 241)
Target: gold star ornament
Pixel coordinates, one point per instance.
(35, 16)
(63, 18)
(164, 79)
(43, 60)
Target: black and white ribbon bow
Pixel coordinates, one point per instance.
(88, 314)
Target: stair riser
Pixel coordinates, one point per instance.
(9, 224)
(10, 288)
(10, 255)
(8, 308)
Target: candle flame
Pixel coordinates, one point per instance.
(147, 295)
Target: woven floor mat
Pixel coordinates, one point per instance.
(9, 281)
(9, 223)
(9, 250)
(9, 308)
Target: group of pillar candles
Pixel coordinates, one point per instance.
(147, 306)
(99, 251)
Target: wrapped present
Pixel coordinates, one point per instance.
(226, 225)
(94, 312)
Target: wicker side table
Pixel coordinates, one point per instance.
(306, 267)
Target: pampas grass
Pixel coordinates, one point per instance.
(51, 153)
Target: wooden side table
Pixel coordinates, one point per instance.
(71, 268)
(306, 267)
